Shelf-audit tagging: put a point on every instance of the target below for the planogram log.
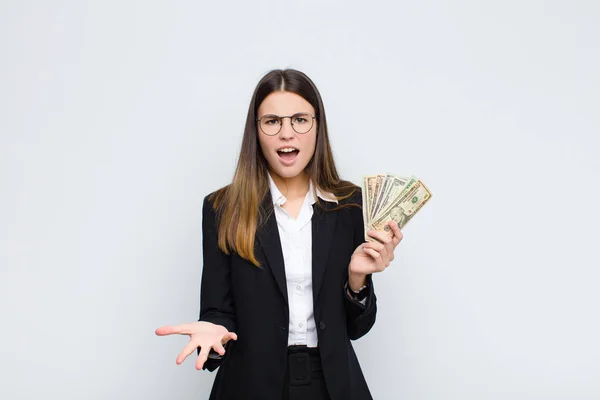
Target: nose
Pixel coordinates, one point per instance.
(286, 132)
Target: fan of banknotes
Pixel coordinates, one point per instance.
(388, 197)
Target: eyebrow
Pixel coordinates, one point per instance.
(275, 115)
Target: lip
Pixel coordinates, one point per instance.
(286, 162)
(288, 147)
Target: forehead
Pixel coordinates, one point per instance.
(284, 103)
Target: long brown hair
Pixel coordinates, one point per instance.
(238, 204)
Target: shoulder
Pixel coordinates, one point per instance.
(215, 198)
(213, 203)
(350, 209)
(349, 194)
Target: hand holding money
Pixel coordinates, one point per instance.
(391, 198)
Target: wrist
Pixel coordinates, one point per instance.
(356, 281)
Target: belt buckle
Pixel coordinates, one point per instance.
(299, 365)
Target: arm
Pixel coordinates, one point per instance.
(360, 317)
(216, 300)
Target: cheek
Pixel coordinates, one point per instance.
(264, 146)
(311, 144)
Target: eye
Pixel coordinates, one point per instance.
(270, 120)
(300, 119)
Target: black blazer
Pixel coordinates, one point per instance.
(253, 303)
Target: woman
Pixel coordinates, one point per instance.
(286, 282)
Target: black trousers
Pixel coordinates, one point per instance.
(304, 378)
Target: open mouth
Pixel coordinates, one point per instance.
(288, 154)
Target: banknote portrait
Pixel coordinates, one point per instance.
(398, 215)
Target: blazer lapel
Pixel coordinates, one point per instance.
(323, 225)
(268, 236)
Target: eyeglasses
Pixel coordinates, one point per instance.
(271, 124)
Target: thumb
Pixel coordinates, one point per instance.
(228, 336)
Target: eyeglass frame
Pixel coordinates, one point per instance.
(286, 116)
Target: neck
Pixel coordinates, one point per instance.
(292, 188)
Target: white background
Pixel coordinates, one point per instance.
(118, 117)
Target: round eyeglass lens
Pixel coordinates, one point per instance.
(270, 124)
(302, 122)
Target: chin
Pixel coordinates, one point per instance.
(288, 172)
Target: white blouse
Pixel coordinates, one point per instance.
(296, 245)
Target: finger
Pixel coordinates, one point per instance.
(202, 356)
(172, 329)
(382, 237)
(397, 233)
(382, 250)
(219, 348)
(377, 257)
(228, 336)
(187, 350)
(378, 260)
(390, 244)
(374, 245)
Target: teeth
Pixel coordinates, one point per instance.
(287, 150)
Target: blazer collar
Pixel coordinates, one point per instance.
(323, 224)
(279, 198)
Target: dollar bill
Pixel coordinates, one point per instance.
(378, 183)
(402, 209)
(367, 193)
(385, 183)
(389, 197)
(409, 182)
(391, 192)
(369, 190)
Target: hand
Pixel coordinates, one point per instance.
(374, 256)
(202, 334)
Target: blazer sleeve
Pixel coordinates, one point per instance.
(216, 299)
(360, 318)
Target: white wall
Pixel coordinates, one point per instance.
(117, 117)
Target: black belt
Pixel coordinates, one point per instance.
(304, 364)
